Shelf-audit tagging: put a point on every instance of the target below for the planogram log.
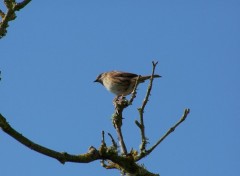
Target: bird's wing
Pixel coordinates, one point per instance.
(124, 74)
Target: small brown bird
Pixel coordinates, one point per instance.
(120, 83)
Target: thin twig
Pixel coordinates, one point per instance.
(121, 140)
(119, 104)
(184, 116)
(22, 4)
(154, 64)
(10, 15)
(141, 111)
(60, 156)
(134, 92)
(110, 165)
(103, 138)
(93, 154)
(113, 141)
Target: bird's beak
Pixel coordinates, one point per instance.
(96, 80)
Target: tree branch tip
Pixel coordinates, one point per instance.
(154, 63)
(111, 137)
(187, 111)
(185, 114)
(22, 4)
(103, 138)
(109, 134)
(113, 141)
(4, 122)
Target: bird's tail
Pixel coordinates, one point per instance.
(143, 78)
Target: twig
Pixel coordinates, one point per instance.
(93, 154)
(141, 111)
(119, 104)
(103, 138)
(113, 141)
(22, 4)
(60, 156)
(110, 165)
(121, 140)
(134, 92)
(154, 64)
(184, 116)
(10, 15)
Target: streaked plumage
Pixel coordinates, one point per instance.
(120, 83)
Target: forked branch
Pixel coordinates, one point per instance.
(125, 164)
(12, 6)
(184, 116)
(110, 157)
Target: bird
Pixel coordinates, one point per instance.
(121, 83)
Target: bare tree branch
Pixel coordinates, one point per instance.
(21, 5)
(110, 165)
(110, 157)
(126, 164)
(134, 92)
(184, 116)
(10, 15)
(141, 111)
(103, 138)
(119, 104)
(114, 144)
(60, 156)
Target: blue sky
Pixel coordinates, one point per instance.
(54, 51)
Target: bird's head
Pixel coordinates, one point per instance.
(100, 78)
